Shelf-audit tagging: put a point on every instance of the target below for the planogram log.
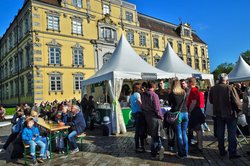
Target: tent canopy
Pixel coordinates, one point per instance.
(125, 63)
(171, 62)
(241, 71)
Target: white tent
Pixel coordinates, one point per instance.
(125, 63)
(241, 71)
(171, 62)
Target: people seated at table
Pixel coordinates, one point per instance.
(31, 136)
(17, 125)
(77, 126)
(2, 112)
(62, 119)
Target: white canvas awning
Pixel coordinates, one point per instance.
(171, 62)
(125, 63)
(241, 71)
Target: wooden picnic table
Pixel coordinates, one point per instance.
(52, 127)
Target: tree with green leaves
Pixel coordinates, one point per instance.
(246, 56)
(223, 68)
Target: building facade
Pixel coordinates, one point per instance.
(52, 45)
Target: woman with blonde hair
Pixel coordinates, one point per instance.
(177, 100)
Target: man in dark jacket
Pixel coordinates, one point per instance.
(152, 111)
(77, 125)
(226, 104)
(84, 106)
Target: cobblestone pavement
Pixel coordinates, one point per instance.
(119, 150)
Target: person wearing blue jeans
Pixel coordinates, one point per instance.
(181, 132)
(72, 139)
(177, 100)
(31, 136)
(77, 126)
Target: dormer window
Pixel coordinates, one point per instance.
(187, 32)
(106, 9)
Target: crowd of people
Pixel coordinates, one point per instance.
(25, 128)
(177, 126)
(187, 115)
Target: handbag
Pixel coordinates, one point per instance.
(172, 117)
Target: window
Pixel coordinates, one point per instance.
(7, 90)
(144, 57)
(143, 39)
(11, 89)
(22, 86)
(28, 56)
(55, 82)
(78, 56)
(15, 35)
(106, 9)
(29, 83)
(77, 3)
(171, 43)
(53, 22)
(157, 59)
(130, 37)
(11, 66)
(189, 61)
(6, 69)
(107, 33)
(129, 16)
(204, 64)
(10, 41)
(1, 72)
(179, 48)
(188, 50)
(202, 53)
(20, 30)
(186, 32)
(106, 57)
(16, 87)
(156, 42)
(54, 55)
(77, 27)
(21, 60)
(197, 66)
(26, 23)
(16, 63)
(77, 82)
(195, 51)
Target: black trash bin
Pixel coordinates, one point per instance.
(106, 126)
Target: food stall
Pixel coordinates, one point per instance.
(125, 64)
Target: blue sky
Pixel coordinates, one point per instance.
(223, 24)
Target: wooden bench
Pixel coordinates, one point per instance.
(80, 137)
(3, 124)
(26, 147)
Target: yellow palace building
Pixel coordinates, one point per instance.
(52, 45)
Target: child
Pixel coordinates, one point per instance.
(31, 136)
(61, 117)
